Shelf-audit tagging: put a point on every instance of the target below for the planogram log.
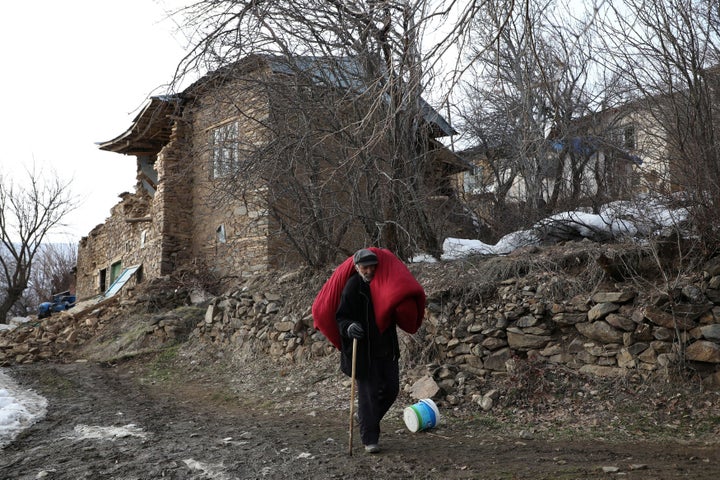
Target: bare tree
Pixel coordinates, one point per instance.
(361, 101)
(28, 213)
(53, 272)
(669, 51)
(530, 103)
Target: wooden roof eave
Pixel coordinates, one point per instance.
(453, 163)
(149, 131)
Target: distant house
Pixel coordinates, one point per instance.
(185, 145)
(645, 145)
(604, 155)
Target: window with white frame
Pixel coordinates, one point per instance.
(225, 149)
(473, 180)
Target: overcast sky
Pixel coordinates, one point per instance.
(74, 73)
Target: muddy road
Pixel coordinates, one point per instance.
(127, 421)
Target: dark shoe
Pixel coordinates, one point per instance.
(372, 448)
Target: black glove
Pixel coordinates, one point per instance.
(355, 330)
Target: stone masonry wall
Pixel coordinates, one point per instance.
(152, 231)
(173, 201)
(244, 250)
(611, 333)
(607, 333)
(127, 236)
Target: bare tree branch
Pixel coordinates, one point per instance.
(28, 214)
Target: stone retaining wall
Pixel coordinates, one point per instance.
(613, 333)
(607, 333)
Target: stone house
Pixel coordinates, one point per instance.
(217, 130)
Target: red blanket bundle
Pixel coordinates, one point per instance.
(396, 294)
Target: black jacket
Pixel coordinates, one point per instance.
(356, 306)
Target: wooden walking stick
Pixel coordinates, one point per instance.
(352, 395)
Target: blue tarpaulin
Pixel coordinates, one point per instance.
(587, 146)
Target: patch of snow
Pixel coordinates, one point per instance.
(19, 409)
(88, 432)
(617, 220)
(14, 322)
(213, 472)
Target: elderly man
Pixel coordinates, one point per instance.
(376, 370)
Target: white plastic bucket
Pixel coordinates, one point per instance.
(423, 415)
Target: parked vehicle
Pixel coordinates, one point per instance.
(60, 301)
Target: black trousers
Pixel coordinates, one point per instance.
(376, 394)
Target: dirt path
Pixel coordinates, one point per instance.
(115, 422)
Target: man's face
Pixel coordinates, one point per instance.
(367, 272)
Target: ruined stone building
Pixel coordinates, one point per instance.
(240, 124)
